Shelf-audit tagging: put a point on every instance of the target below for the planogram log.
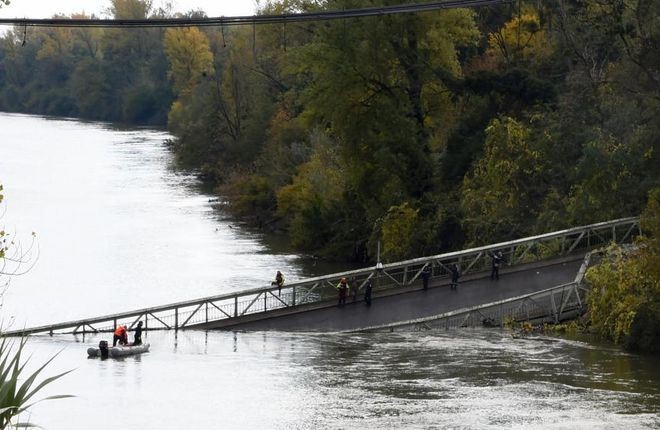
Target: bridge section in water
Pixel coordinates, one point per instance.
(530, 265)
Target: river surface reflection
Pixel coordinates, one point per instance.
(459, 379)
(119, 229)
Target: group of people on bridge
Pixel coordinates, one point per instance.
(347, 287)
(343, 288)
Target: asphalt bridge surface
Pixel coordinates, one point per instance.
(418, 303)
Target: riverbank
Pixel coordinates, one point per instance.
(424, 140)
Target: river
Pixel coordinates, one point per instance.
(118, 228)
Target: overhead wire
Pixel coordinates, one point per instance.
(249, 20)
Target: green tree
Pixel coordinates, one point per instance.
(624, 300)
(379, 90)
(500, 197)
(190, 58)
(312, 203)
(398, 229)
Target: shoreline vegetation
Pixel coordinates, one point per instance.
(427, 132)
(624, 297)
(423, 133)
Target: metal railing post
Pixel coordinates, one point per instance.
(294, 296)
(176, 318)
(235, 306)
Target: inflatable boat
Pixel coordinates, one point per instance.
(104, 351)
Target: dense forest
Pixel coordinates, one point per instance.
(427, 132)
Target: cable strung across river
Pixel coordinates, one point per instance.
(250, 20)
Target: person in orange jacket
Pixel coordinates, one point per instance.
(121, 335)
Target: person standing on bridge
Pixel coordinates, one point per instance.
(455, 274)
(354, 289)
(279, 281)
(121, 336)
(426, 274)
(342, 287)
(497, 262)
(367, 292)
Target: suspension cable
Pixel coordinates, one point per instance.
(250, 20)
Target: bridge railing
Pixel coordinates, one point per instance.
(319, 290)
(551, 305)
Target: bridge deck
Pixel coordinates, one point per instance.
(308, 304)
(417, 303)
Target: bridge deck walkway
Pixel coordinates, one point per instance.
(417, 303)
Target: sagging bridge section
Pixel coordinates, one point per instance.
(240, 309)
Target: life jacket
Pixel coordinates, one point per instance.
(121, 331)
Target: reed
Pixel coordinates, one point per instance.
(18, 387)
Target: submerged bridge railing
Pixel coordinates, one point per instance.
(551, 305)
(303, 294)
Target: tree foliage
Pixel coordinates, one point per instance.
(502, 193)
(486, 123)
(624, 302)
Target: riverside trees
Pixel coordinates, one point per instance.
(624, 302)
(449, 127)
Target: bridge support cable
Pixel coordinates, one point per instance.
(251, 20)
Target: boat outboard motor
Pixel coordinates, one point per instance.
(103, 348)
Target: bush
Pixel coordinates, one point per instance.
(624, 301)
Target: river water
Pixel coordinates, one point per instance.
(118, 228)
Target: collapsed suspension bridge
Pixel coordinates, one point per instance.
(541, 279)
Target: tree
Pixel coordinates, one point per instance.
(312, 203)
(190, 58)
(522, 41)
(379, 89)
(624, 300)
(398, 230)
(500, 196)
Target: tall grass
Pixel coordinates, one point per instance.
(17, 386)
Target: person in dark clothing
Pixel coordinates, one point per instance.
(455, 274)
(137, 340)
(426, 274)
(497, 262)
(354, 288)
(279, 281)
(367, 292)
(342, 287)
